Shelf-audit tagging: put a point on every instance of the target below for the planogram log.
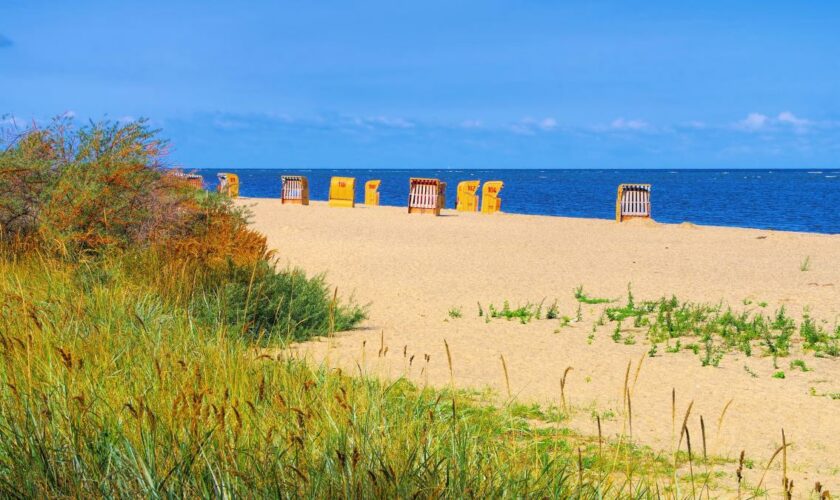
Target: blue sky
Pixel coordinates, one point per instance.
(450, 84)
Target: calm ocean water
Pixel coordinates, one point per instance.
(793, 200)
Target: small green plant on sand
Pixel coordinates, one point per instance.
(524, 313)
(581, 296)
(616, 336)
(798, 363)
(779, 374)
(455, 312)
(553, 311)
(805, 265)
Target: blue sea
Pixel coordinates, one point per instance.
(792, 200)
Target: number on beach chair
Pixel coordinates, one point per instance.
(342, 192)
(372, 192)
(295, 190)
(490, 201)
(228, 184)
(632, 202)
(467, 196)
(426, 196)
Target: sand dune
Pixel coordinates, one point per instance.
(414, 268)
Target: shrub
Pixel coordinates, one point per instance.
(102, 186)
(266, 304)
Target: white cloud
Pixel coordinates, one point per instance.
(471, 124)
(788, 118)
(390, 122)
(753, 122)
(622, 124)
(529, 126)
(230, 123)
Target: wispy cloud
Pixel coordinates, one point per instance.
(788, 118)
(530, 126)
(471, 124)
(5, 42)
(753, 122)
(623, 124)
(386, 121)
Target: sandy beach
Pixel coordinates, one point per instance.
(413, 269)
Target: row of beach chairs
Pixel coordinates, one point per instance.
(425, 195)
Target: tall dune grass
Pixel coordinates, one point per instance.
(108, 389)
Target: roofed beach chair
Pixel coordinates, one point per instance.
(228, 184)
(372, 192)
(467, 196)
(295, 190)
(490, 201)
(425, 196)
(342, 192)
(632, 202)
(193, 180)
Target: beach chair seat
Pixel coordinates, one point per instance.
(426, 196)
(372, 192)
(466, 196)
(632, 202)
(490, 201)
(342, 192)
(228, 184)
(295, 190)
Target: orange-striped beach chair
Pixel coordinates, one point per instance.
(632, 202)
(295, 190)
(426, 196)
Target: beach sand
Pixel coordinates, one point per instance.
(413, 268)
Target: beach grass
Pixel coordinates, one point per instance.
(111, 389)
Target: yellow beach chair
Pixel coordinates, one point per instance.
(295, 190)
(632, 202)
(228, 184)
(490, 201)
(372, 193)
(342, 192)
(467, 196)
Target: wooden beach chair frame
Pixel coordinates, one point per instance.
(294, 190)
(426, 196)
(632, 202)
(192, 180)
